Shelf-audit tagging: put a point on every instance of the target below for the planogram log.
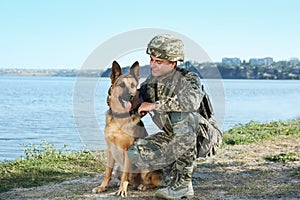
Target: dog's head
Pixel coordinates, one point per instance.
(124, 95)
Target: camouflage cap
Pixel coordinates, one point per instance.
(166, 47)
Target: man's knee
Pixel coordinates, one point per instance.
(135, 155)
(144, 153)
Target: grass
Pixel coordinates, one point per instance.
(256, 132)
(43, 164)
(285, 157)
(256, 161)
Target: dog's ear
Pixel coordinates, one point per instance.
(116, 71)
(135, 70)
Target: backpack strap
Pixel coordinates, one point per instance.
(205, 109)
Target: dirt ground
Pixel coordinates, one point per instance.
(237, 172)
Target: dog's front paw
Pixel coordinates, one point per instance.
(99, 189)
(123, 189)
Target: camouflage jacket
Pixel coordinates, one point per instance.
(179, 91)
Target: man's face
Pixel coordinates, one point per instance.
(160, 67)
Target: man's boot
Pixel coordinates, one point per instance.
(181, 188)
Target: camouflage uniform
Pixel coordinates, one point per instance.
(177, 96)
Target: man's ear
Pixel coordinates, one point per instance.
(135, 70)
(174, 64)
(116, 71)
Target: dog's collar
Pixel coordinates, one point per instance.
(123, 115)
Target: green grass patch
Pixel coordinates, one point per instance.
(285, 157)
(256, 132)
(44, 163)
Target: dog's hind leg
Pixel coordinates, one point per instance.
(108, 172)
(151, 179)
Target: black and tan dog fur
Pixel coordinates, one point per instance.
(123, 127)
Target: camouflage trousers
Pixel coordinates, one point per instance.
(162, 149)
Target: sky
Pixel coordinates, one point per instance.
(63, 33)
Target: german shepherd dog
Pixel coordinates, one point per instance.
(123, 127)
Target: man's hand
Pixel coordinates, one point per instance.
(146, 107)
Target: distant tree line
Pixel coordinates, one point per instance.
(278, 70)
(243, 70)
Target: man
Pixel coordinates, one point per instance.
(172, 96)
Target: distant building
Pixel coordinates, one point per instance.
(261, 61)
(231, 61)
(294, 61)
